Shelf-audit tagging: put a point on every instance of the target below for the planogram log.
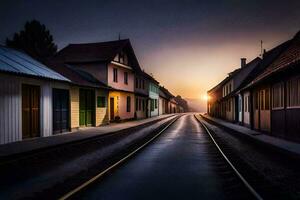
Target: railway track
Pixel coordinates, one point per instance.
(113, 166)
(236, 171)
(237, 187)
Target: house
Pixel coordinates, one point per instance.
(276, 93)
(250, 107)
(141, 95)
(182, 105)
(88, 96)
(153, 96)
(230, 103)
(34, 100)
(164, 100)
(215, 94)
(112, 63)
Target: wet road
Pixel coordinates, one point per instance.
(181, 164)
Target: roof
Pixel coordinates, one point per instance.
(97, 52)
(275, 59)
(230, 75)
(13, 61)
(164, 92)
(76, 75)
(149, 77)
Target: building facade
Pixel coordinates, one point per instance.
(112, 63)
(31, 103)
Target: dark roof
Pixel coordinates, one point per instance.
(164, 92)
(230, 75)
(17, 62)
(97, 52)
(147, 76)
(272, 61)
(77, 76)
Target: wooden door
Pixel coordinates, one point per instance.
(112, 108)
(89, 107)
(82, 106)
(60, 111)
(86, 107)
(30, 111)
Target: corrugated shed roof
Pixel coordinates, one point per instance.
(14, 61)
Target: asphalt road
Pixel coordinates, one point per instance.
(181, 164)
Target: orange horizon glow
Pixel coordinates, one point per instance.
(192, 68)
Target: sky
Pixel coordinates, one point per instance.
(189, 45)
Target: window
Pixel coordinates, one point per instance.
(152, 104)
(246, 103)
(125, 59)
(140, 104)
(293, 92)
(128, 106)
(140, 83)
(278, 96)
(267, 100)
(256, 100)
(121, 58)
(262, 99)
(101, 102)
(155, 103)
(143, 84)
(136, 104)
(240, 104)
(137, 83)
(126, 78)
(144, 104)
(115, 74)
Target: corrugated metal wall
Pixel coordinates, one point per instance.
(46, 109)
(11, 106)
(10, 110)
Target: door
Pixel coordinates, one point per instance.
(112, 108)
(240, 108)
(60, 110)
(30, 111)
(86, 107)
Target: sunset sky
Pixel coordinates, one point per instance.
(188, 45)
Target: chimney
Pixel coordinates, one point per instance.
(243, 62)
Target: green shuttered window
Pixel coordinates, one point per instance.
(101, 103)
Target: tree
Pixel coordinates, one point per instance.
(35, 40)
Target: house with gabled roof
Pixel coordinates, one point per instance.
(34, 100)
(153, 95)
(114, 64)
(88, 96)
(223, 101)
(276, 92)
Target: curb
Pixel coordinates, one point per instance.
(11, 157)
(261, 143)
